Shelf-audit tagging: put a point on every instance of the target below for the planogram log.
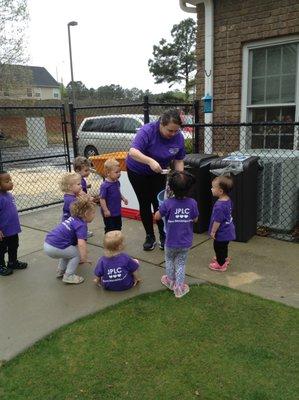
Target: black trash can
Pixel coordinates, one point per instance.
(243, 194)
(199, 166)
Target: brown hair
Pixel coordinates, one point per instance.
(225, 183)
(67, 179)
(80, 162)
(113, 243)
(172, 115)
(81, 206)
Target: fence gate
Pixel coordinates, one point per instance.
(34, 149)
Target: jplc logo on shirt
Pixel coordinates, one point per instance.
(173, 150)
(182, 212)
(114, 272)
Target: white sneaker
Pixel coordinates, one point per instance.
(72, 279)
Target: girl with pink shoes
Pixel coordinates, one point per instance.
(180, 213)
(222, 228)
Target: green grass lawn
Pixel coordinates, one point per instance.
(213, 344)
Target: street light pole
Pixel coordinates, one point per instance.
(72, 23)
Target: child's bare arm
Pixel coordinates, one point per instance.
(157, 216)
(136, 278)
(105, 208)
(124, 200)
(82, 246)
(214, 229)
(97, 280)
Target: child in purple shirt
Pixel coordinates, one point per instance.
(111, 197)
(70, 185)
(116, 270)
(68, 241)
(222, 228)
(82, 167)
(9, 227)
(180, 213)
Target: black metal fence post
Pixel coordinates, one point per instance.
(72, 112)
(65, 137)
(146, 109)
(196, 127)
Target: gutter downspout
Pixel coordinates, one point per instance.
(209, 59)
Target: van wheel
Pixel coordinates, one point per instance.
(90, 151)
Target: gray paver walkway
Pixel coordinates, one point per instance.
(33, 302)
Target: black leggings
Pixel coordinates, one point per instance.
(10, 245)
(221, 251)
(112, 223)
(147, 188)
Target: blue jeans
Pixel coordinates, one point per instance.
(175, 259)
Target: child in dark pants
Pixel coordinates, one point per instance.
(222, 228)
(9, 227)
(111, 197)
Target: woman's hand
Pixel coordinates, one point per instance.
(154, 166)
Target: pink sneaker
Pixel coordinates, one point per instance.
(228, 260)
(167, 282)
(181, 290)
(216, 267)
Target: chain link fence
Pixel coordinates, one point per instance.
(34, 149)
(276, 145)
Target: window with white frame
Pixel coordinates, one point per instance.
(270, 93)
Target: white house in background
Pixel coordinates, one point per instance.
(27, 82)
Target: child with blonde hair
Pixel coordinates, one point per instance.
(116, 270)
(111, 197)
(82, 167)
(222, 228)
(68, 241)
(70, 185)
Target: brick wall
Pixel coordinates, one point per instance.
(235, 24)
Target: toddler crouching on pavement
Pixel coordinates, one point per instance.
(68, 241)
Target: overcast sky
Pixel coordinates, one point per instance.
(111, 43)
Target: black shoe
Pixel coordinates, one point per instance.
(162, 241)
(150, 243)
(4, 271)
(17, 265)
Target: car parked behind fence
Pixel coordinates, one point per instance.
(109, 133)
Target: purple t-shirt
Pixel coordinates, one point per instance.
(151, 143)
(116, 272)
(9, 218)
(68, 199)
(179, 215)
(84, 184)
(67, 233)
(222, 212)
(110, 191)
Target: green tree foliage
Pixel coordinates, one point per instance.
(175, 61)
(116, 94)
(13, 18)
